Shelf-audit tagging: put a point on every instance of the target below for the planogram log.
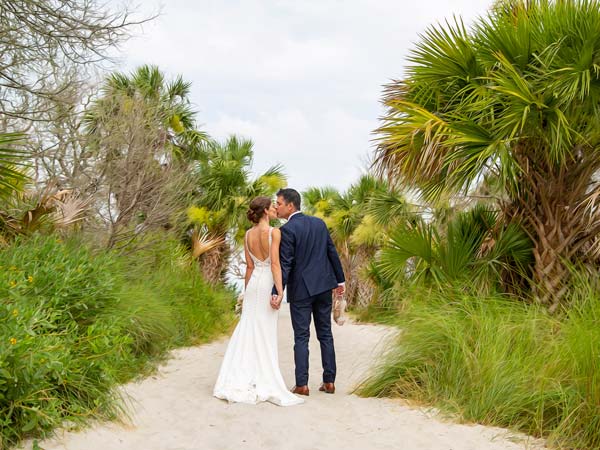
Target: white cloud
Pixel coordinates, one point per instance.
(289, 138)
(301, 79)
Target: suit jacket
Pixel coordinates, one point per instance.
(310, 264)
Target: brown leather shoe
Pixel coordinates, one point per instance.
(301, 390)
(328, 388)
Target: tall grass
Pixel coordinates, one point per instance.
(499, 362)
(166, 301)
(74, 324)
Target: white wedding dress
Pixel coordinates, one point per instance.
(250, 369)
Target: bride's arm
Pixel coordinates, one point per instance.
(249, 265)
(275, 263)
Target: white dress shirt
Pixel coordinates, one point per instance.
(293, 214)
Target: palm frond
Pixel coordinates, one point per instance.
(202, 242)
(70, 208)
(418, 243)
(13, 161)
(179, 88)
(388, 207)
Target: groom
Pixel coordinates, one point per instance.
(311, 269)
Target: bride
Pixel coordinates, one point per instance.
(250, 369)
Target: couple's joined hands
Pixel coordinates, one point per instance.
(276, 301)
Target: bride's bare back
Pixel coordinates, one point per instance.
(257, 241)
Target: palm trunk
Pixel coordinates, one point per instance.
(348, 267)
(553, 211)
(213, 264)
(550, 272)
(359, 291)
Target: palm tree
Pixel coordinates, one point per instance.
(168, 101)
(357, 220)
(224, 191)
(319, 201)
(143, 139)
(515, 98)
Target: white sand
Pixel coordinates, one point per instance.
(175, 410)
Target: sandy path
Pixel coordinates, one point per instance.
(175, 410)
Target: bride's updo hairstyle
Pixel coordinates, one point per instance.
(257, 208)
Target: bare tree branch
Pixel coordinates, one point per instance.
(39, 37)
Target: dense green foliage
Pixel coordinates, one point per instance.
(471, 249)
(73, 324)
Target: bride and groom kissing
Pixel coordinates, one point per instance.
(302, 257)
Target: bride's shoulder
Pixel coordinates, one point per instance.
(251, 229)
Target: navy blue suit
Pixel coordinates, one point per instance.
(311, 269)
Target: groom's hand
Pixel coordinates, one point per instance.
(340, 290)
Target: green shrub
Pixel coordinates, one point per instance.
(54, 354)
(499, 362)
(75, 324)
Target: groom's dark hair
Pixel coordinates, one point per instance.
(290, 196)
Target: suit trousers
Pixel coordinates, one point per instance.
(319, 306)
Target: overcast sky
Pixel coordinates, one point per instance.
(302, 78)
